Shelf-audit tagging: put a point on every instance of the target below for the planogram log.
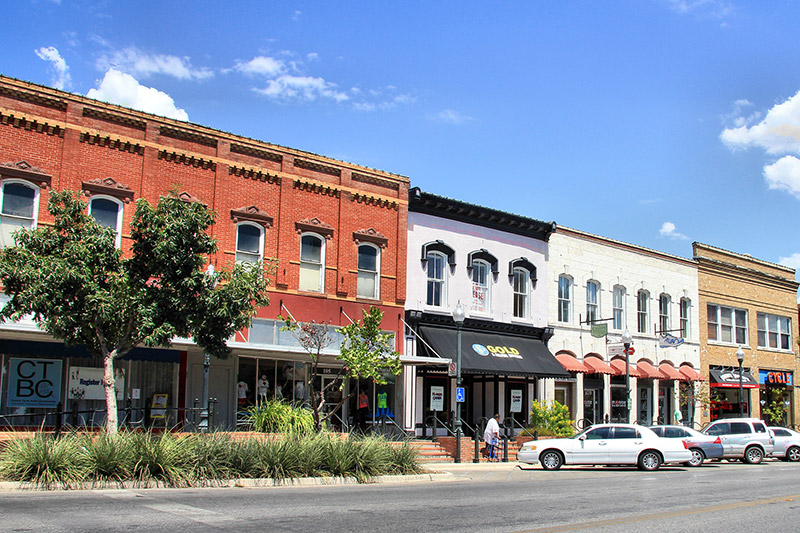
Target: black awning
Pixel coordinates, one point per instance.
(730, 378)
(495, 353)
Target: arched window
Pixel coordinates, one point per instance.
(618, 322)
(481, 286)
(686, 307)
(312, 263)
(369, 268)
(642, 311)
(19, 206)
(564, 298)
(437, 279)
(664, 321)
(249, 242)
(521, 292)
(592, 301)
(107, 212)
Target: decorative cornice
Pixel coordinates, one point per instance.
(315, 225)
(188, 197)
(9, 119)
(25, 171)
(113, 118)
(33, 98)
(187, 160)
(251, 214)
(373, 200)
(253, 174)
(374, 180)
(316, 167)
(184, 135)
(318, 188)
(108, 186)
(114, 144)
(370, 235)
(255, 152)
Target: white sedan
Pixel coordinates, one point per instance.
(607, 444)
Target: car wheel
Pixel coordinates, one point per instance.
(793, 454)
(649, 460)
(697, 458)
(753, 455)
(551, 460)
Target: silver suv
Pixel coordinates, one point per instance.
(747, 439)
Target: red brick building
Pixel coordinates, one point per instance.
(337, 230)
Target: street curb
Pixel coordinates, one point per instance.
(13, 486)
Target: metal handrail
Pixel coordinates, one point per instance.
(517, 423)
(444, 424)
(392, 422)
(344, 425)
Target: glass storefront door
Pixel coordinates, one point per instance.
(593, 406)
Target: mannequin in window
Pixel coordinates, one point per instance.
(383, 403)
(299, 394)
(363, 408)
(263, 388)
(242, 395)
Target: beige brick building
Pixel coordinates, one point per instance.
(750, 303)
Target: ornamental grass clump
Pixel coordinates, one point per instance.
(162, 458)
(109, 458)
(277, 416)
(404, 459)
(44, 461)
(214, 456)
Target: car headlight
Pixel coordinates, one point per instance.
(528, 447)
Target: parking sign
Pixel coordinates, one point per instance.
(460, 395)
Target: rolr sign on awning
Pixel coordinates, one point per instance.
(730, 378)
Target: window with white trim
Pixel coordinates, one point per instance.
(436, 279)
(564, 298)
(727, 324)
(312, 263)
(369, 258)
(686, 307)
(107, 212)
(19, 207)
(481, 286)
(249, 242)
(774, 331)
(664, 322)
(592, 301)
(642, 311)
(618, 313)
(521, 292)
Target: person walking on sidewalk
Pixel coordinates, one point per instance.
(492, 436)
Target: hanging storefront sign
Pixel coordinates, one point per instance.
(86, 383)
(437, 398)
(599, 330)
(34, 382)
(516, 400)
(669, 341)
(775, 377)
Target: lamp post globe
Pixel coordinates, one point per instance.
(459, 314)
(740, 358)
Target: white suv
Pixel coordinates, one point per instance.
(747, 439)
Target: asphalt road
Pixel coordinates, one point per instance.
(716, 497)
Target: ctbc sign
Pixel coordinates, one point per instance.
(34, 382)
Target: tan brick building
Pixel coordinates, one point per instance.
(749, 303)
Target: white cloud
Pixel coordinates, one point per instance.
(123, 89)
(62, 79)
(784, 175)
(668, 230)
(793, 261)
(312, 56)
(303, 88)
(449, 116)
(708, 8)
(135, 62)
(777, 133)
(261, 65)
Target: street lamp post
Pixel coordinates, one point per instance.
(458, 317)
(627, 340)
(203, 426)
(740, 358)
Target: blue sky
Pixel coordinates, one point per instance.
(655, 122)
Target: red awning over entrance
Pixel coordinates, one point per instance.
(689, 373)
(649, 371)
(598, 366)
(619, 369)
(571, 364)
(670, 371)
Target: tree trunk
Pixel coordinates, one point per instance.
(111, 394)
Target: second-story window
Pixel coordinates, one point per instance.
(368, 271)
(108, 213)
(592, 301)
(19, 203)
(774, 331)
(521, 293)
(249, 242)
(436, 279)
(564, 298)
(618, 322)
(312, 263)
(642, 311)
(686, 306)
(727, 324)
(481, 287)
(664, 302)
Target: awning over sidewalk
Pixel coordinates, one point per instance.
(619, 366)
(670, 371)
(689, 373)
(649, 371)
(598, 366)
(495, 353)
(571, 364)
(730, 378)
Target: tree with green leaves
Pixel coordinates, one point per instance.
(80, 288)
(366, 353)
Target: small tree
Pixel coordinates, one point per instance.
(366, 353)
(79, 288)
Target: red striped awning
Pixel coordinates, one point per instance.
(571, 363)
(689, 373)
(598, 366)
(619, 366)
(649, 371)
(670, 371)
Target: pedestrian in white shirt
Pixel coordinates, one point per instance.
(491, 435)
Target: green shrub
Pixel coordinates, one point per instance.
(276, 416)
(44, 460)
(550, 420)
(404, 459)
(108, 457)
(162, 457)
(214, 456)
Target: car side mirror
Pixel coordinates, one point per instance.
(582, 437)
